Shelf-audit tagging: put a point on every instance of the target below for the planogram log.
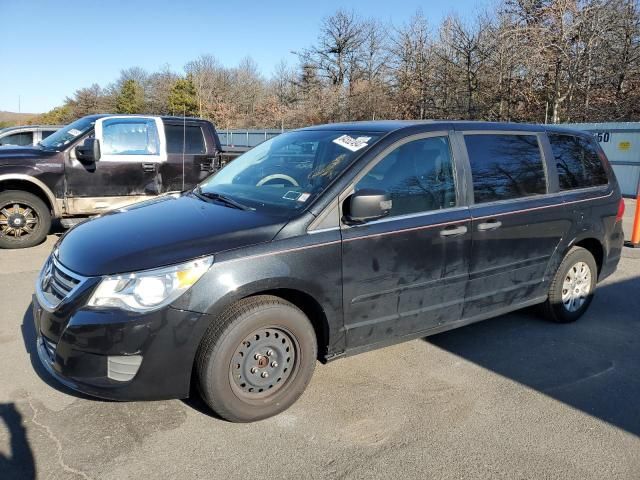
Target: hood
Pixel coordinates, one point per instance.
(12, 155)
(163, 231)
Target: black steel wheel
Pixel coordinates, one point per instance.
(256, 359)
(263, 362)
(24, 219)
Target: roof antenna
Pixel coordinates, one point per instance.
(184, 140)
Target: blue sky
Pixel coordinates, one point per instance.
(48, 49)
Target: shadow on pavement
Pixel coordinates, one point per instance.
(591, 365)
(196, 402)
(20, 464)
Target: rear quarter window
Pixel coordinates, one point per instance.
(505, 166)
(46, 133)
(577, 162)
(189, 137)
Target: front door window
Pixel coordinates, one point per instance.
(130, 137)
(418, 176)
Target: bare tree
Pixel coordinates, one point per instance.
(159, 89)
(522, 60)
(412, 65)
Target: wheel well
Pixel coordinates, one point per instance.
(312, 309)
(309, 306)
(595, 248)
(26, 186)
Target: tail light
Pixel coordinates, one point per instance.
(602, 155)
(620, 213)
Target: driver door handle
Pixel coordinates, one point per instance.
(453, 230)
(489, 225)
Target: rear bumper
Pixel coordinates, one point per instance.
(612, 258)
(79, 357)
(609, 267)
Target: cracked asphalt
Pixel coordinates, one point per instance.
(511, 397)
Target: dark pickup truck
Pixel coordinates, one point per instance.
(98, 163)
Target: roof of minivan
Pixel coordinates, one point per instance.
(387, 126)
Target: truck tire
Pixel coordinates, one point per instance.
(572, 287)
(256, 359)
(25, 220)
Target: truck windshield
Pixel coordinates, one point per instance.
(282, 175)
(67, 134)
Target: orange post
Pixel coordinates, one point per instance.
(635, 231)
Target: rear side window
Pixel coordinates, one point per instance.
(22, 139)
(505, 166)
(418, 176)
(191, 137)
(577, 161)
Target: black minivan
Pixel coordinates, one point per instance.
(325, 242)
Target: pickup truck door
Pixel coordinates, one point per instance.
(132, 149)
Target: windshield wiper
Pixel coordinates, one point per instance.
(222, 198)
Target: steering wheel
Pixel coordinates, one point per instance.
(278, 176)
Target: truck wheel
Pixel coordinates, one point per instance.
(256, 359)
(24, 219)
(572, 287)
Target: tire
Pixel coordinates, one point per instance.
(559, 307)
(25, 220)
(230, 375)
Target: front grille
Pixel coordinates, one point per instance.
(56, 282)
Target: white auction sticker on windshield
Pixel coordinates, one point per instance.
(304, 197)
(350, 143)
(74, 132)
(291, 195)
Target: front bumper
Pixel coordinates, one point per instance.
(75, 348)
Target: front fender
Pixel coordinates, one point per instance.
(313, 269)
(31, 176)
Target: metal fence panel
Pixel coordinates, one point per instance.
(246, 138)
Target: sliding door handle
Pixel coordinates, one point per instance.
(453, 231)
(489, 225)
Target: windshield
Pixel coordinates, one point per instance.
(67, 134)
(282, 175)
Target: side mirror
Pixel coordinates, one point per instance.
(366, 205)
(89, 151)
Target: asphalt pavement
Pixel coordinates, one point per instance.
(512, 397)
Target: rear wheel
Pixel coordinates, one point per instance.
(572, 287)
(25, 220)
(256, 359)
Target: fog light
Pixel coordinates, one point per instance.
(123, 368)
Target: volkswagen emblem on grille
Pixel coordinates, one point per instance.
(46, 275)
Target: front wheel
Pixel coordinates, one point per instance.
(25, 220)
(572, 287)
(256, 359)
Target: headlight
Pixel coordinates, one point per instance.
(150, 289)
